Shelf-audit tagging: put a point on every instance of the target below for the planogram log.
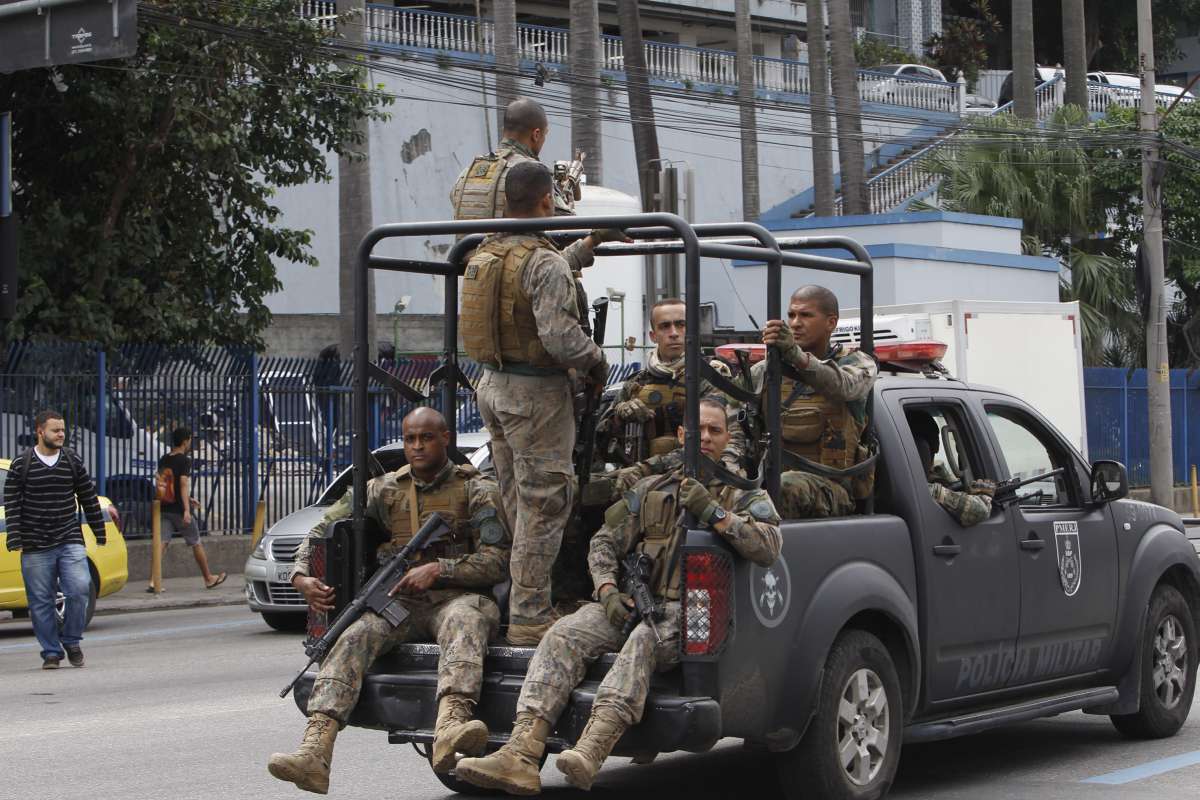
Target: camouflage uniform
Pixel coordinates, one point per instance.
(968, 508)
(606, 488)
(456, 614)
(479, 191)
(645, 520)
(530, 413)
(823, 418)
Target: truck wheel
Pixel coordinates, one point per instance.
(1168, 653)
(852, 746)
(286, 621)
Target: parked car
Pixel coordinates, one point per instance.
(980, 106)
(268, 589)
(1123, 89)
(906, 83)
(1040, 75)
(109, 564)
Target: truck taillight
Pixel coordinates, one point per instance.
(707, 602)
(318, 621)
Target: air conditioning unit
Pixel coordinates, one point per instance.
(888, 328)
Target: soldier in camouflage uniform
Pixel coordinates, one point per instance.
(824, 407)
(446, 596)
(520, 320)
(970, 507)
(644, 520)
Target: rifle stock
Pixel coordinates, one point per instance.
(375, 595)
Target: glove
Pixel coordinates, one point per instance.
(616, 606)
(984, 487)
(696, 499)
(602, 235)
(633, 411)
(785, 343)
(598, 374)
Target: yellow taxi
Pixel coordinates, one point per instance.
(109, 564)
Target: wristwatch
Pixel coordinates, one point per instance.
(718, 514)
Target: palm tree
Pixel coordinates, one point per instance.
(586, 132)
(849, 110)
(1023, 63)
(1075, 52)
(818, 78)
(504, 32)
(746, 102)
(641, 107)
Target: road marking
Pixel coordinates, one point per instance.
(142, 634)
(1147, 770)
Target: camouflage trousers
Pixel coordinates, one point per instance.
(461, 625)
(532, 425)
(803, 495)
(574, 642)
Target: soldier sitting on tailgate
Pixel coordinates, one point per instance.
(447, 596)
(968, 508)
(827, 465)
(645, 521)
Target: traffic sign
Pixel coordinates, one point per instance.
(43, 33)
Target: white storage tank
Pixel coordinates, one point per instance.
(616, 274)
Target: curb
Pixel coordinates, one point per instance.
(166, 605)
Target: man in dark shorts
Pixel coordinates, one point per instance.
(174, 492)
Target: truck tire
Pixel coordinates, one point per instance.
(860, 712)
(289, 622)
(1168, 653)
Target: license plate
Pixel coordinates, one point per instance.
(283, 574)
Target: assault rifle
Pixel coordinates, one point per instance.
(586, 440)
(636, 571)
(568, 177)
(1006, 491)
(376, 595)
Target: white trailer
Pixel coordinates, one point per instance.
(1033, 350)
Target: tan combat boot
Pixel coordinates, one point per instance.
(581, 763)
(308, 767)
(456, 732)
(515, 767)
(530, 635)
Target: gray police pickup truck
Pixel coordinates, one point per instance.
(897, 625)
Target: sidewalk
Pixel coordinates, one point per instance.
(178, 593)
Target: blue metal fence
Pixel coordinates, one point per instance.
(1118, 424)
(276, 429)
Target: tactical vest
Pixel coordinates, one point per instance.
(662, 535)
(481, 195)
(409, 508)
(497, 322)
(667, 398)
(824, 431)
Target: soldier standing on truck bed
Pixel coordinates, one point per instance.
(968, 508)
(446, 596)
(646, 520)
(824, 407)
(520, 321)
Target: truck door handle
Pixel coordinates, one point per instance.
(1032, 543)
(947, 550)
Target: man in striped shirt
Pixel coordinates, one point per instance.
(41, 494)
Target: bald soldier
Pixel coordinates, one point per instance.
(823, 403)
(447, 596)
(520, 321)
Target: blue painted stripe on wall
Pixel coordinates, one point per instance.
(895, 218)
(923, 252)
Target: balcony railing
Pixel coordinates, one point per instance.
(434, 30)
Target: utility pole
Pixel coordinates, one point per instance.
(1158, 372)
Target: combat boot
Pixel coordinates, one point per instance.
(515, 768)
(581, 763)
(308, 767)
(456, 732)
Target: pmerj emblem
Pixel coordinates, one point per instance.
(771, 592)
(1070, 559)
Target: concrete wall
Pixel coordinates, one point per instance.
(225, 554)
(306, 335)
(437, 126)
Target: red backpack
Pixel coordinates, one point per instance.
(164, 486)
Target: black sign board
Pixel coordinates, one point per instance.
(50, 32)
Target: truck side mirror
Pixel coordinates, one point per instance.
(1109, 481)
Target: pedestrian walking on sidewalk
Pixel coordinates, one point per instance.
(174, 490)
(44, 486)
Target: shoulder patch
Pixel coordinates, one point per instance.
(762, 510)
(617, 513)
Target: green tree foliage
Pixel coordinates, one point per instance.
(871, 52)
(963, 43)
(145, 186)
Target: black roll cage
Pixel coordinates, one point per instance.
(654, 233)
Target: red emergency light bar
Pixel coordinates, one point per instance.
(919, 350)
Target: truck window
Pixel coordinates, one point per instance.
(943, 442)
(1029, 450)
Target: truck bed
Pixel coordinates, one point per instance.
(399, 696)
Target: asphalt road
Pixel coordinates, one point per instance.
(183, 705)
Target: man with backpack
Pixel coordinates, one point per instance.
(44, 485)
(173, 487)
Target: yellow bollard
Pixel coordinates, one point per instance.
(156, 547)
(260, 521)
(1195, 494)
